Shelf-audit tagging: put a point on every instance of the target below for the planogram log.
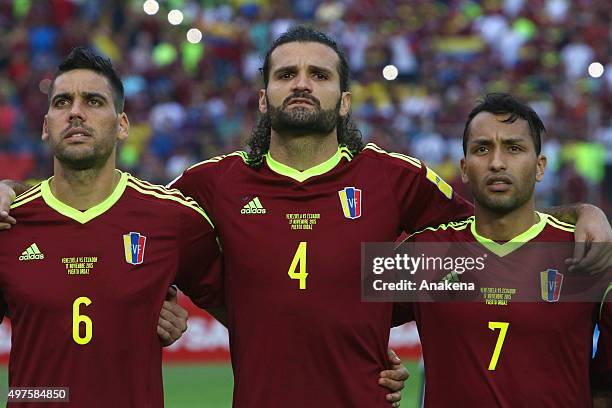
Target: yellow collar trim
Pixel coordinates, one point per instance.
(301, 176)
(515, 243)
(91, 213)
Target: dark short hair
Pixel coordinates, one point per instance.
(302, 33)
(85, 58)
(502, 103)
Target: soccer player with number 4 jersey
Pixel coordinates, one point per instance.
(291, 235)
(511, 353)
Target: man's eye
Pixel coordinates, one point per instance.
(94, 102)
(320, 76)
(286, 75)
(61, 102)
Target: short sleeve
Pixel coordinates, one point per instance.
(198, 182)
(199, 273)
(425, 200)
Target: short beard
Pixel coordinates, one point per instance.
(93, 160)
(503, 205)
(301, 121)
(81, 159)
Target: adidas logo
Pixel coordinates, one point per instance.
(253, 207)
(31, 254)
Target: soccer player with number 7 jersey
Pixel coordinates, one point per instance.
(509, 353)
(84, 273)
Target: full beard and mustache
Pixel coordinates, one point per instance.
(301, 120)
(81, 157)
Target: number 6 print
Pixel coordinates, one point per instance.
(78, 318)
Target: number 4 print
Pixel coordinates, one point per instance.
(299, 259)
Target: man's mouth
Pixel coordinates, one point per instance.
(499, 183)
(300, 101)
(77, 133)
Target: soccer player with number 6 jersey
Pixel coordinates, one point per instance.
(84, 273)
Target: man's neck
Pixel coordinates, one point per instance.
(303, 152)
(504, 227)
(83, 189)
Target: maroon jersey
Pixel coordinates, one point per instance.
(507, 354)
(299, 333)
(84, 290)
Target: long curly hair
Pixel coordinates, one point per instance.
(348, 134)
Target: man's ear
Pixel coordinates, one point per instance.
(45, 130)
(263, 104)
(464, 177)
(124, 126)
(345, 103)
(540, 166)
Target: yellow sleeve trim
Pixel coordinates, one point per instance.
(412, 160)
(162, 189)
(240, 153)
(344, 151)
(26, 197)
(558, 221)
(165, 196)
(27, 193)
(554, 222)
(456, 225)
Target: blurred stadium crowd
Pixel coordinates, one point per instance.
(191, 101)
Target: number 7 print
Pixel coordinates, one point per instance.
(503, 326)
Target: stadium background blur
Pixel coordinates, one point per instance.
(417, 68)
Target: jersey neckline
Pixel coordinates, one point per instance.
(89, 214)
(317, 170)
(515, 243)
